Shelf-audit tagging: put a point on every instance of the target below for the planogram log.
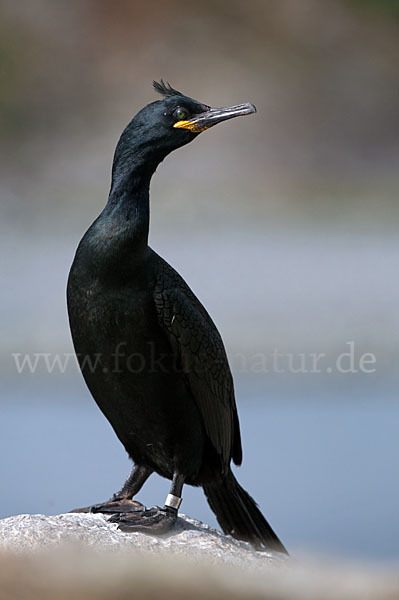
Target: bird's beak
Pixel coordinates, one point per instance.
(213, 116)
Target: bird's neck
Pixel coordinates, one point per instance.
(127, 213)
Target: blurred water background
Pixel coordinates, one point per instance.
(284, 224)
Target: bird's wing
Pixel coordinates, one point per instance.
(200, 350)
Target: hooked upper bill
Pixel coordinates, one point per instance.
(213, 116)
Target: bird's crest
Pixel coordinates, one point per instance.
(165, 88)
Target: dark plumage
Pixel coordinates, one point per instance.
(165, 89)
(160, 374)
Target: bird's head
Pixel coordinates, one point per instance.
(184, 114)
(169, 123)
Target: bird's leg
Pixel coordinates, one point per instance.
(154, 520)
(121, 502)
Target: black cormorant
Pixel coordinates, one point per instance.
(148, 350)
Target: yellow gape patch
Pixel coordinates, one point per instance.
(191, 126)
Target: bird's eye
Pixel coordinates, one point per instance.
(180, 113)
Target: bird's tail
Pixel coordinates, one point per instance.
(239, 516)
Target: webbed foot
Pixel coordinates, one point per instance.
(112, 506)
(154, 520)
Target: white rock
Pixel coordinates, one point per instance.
(83, 556)
(28, 532)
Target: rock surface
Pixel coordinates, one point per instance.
(84, 557)
(29, 532)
